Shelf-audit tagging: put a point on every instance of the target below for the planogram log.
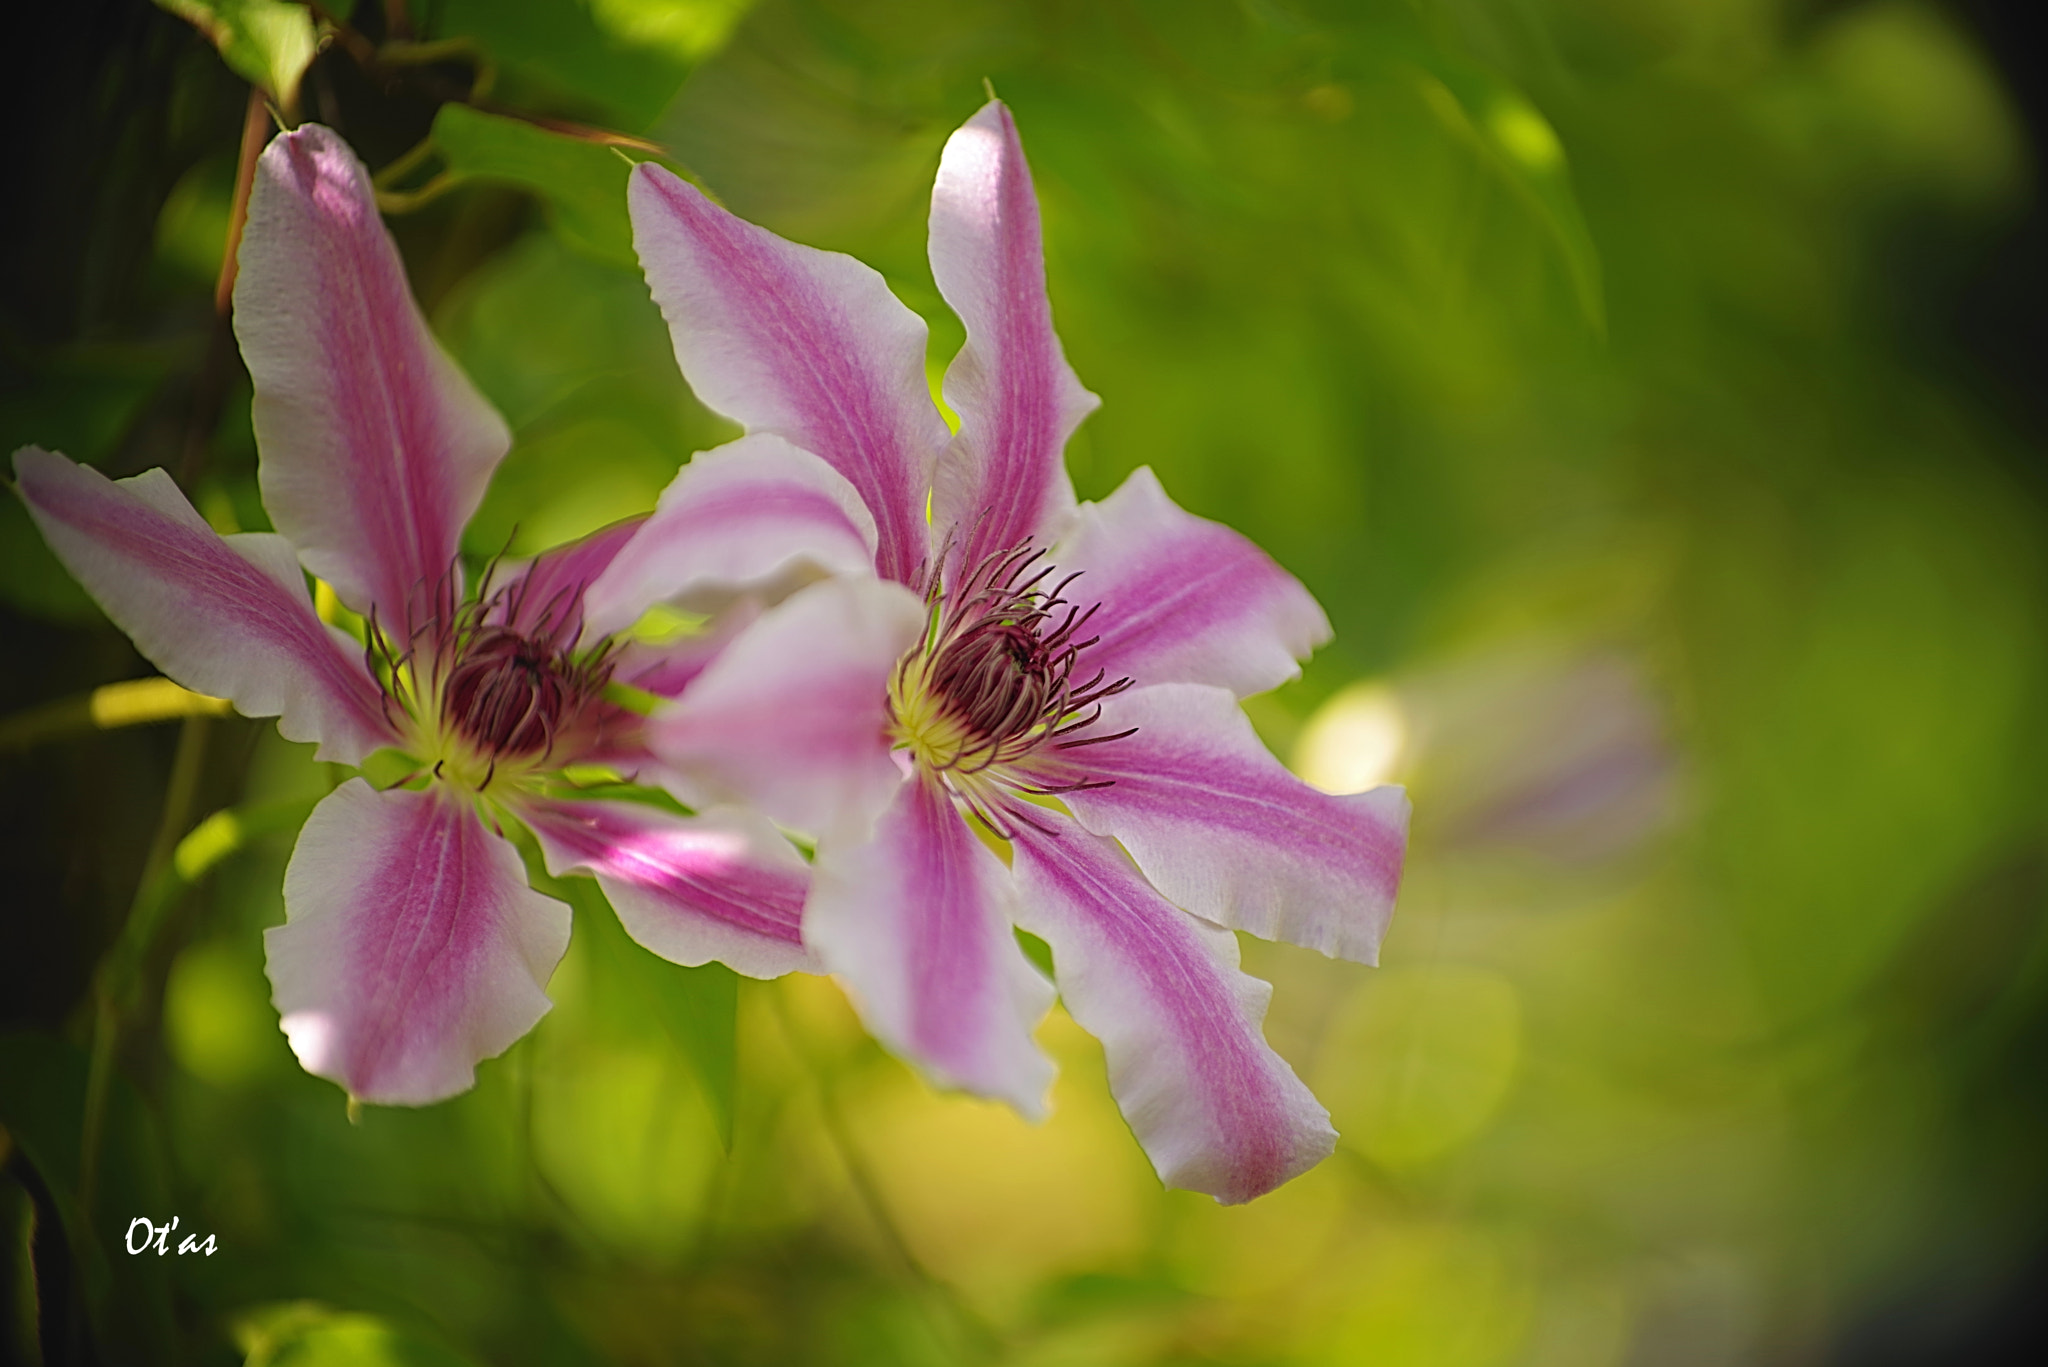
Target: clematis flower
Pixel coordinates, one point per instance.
(413, 945)
(1026, 712)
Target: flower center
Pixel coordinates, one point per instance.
(510, 695)
(994, 681)
(490, 691)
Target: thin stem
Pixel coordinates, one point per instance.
(113, 985)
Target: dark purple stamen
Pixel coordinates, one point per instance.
(1003, 662)
(512, 692)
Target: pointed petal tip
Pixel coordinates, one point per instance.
(224, 616)
(1211, 1103)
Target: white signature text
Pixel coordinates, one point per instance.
(160, 1235)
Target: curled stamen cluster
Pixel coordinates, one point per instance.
(994, 680)
(510, 694)
(506, 693)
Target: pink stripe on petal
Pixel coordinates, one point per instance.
(1222, 829)
(1185, 600)
(1003, 478)
(227, 616)
(547, 592)
(755, 514)
(916, 920)
(375, 448)
(723, 885)
(808, 345)
(792, 717)
(413, 947)
(1214, 1107)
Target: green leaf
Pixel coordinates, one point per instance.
(269, 43)
(583, 182)
(1515, 141)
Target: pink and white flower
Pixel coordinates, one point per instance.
(1027, 712)
(414, 946)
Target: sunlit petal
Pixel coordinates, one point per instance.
(1002, 479)
(413, 947)
(376, 449)
(757, 514)
(790, 718)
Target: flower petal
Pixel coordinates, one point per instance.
(916, 919)
(375, 447)
(1214, 1107)
(792, 717)
(413, 947)
(756, 513)
(228, 616)
(548, 592)
(1221, 828)
(1185, 600)
(806, 344)
(724, 885)
(1003, 478)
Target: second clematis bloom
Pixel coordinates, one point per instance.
(1014, 710)
(413, 946)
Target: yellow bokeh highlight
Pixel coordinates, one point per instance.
(1525, 135)
(1355, 741)
(140, 701)
(687, 29)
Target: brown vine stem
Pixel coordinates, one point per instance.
(209, 391)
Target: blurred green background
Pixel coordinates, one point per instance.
(1647, 388)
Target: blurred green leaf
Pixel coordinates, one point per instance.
(622, 59)
(269, 43)
(697, 1008)
(1513, 139)
(584, 183)
(305, 1334)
